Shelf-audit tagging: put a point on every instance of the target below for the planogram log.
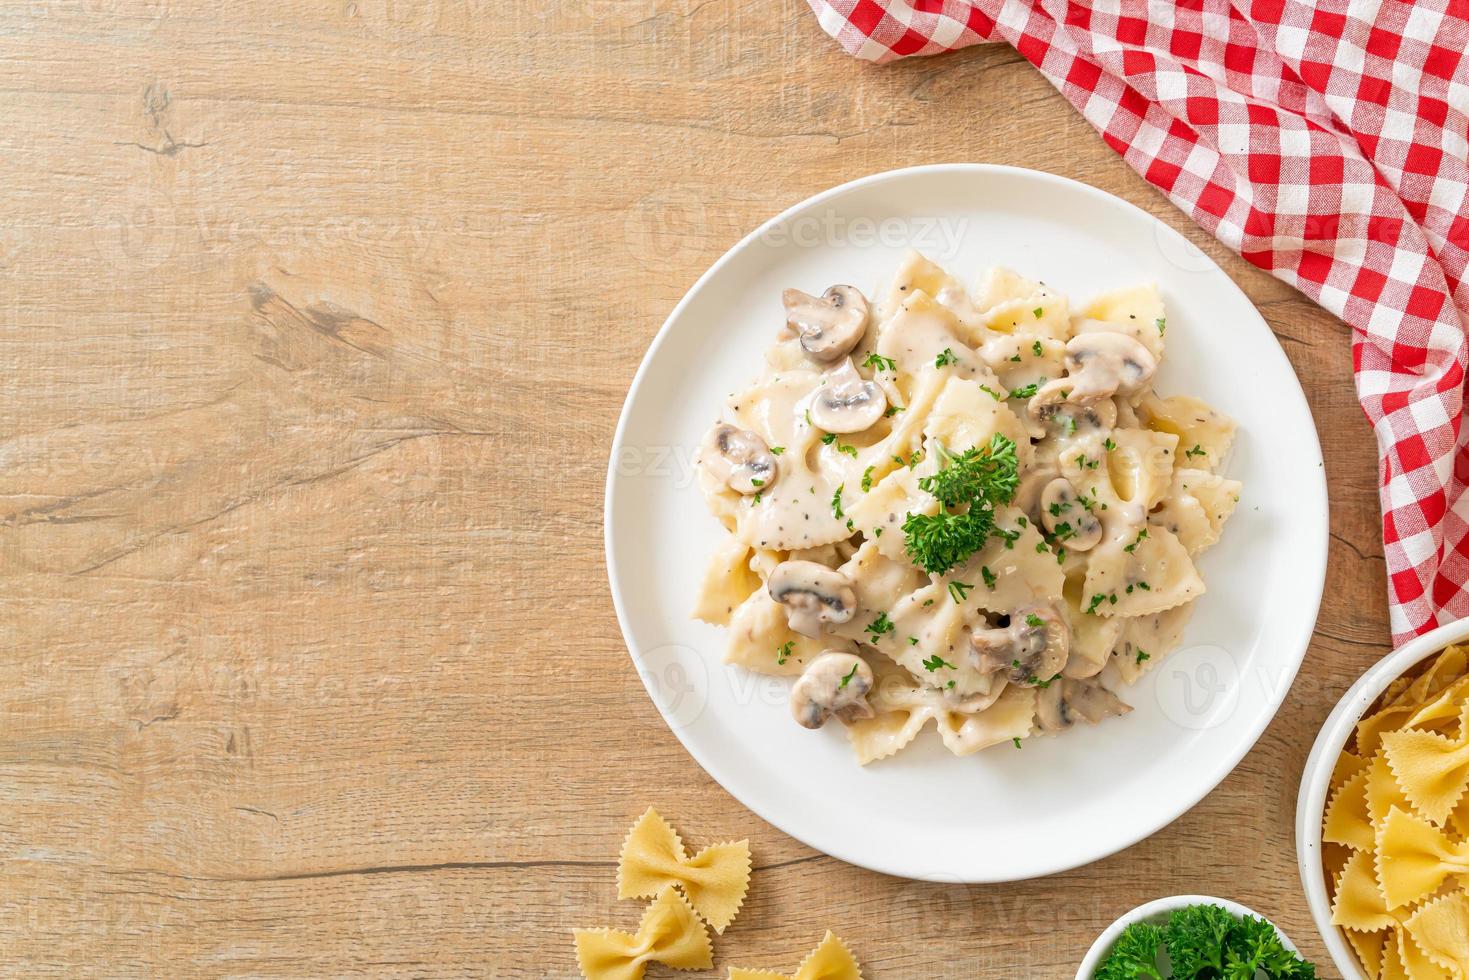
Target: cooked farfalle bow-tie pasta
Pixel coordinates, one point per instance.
(967, 508)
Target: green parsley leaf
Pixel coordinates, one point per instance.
(848, 679)
(875, 360)
(879, 626)
(777, 450)
(1162, 324)
(933, 663)
(867, 479)
(783, 652)
(1037, 350)
(1025, 391)
(849, 450)
(990, 578)
(959, 590)
(836, 503)
(1038, 312)
(829, 438)
(946, 357)
(1196, 451)
(1034, 621)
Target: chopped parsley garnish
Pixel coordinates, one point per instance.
(777, 450)
(912, 641)
(1109, 445)
(1162, 325)
(1015, 359)
(935, 662)
(990, 578)
(849, 450)
(829, 438)
(836, 503)
(1196, 451)
(756, 483)
(968, 486)
(848, 679)
(1038, 312)
(1097, 600)
(1032, 620)
(991, 392)
(1025, 391)
(879, 626)
(959, 590)
(946, 356)
(808, 419)
(1141, 536)
(891, 410)
(1141, 656)
(1040, 548)
(1037, 350)
(867, 478)
(875, 360)
(1016, 740)
(783, 652)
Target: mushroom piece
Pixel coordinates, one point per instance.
(1067, 518)
(1052, 404)
(1098, 365)
(812, 594)
(1061, 702)
(829, 325)
(1033, 648)
(835, 683)
(1032, 486)
(846, 401)
(740, 458)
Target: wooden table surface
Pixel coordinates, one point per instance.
(317, 318)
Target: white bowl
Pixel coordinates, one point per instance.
(1157, 913)
(1315, 781)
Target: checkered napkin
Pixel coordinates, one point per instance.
(1325, 143)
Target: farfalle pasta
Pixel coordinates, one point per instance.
(962, 509)
(669, 933)
(831, 960)
(1394, 836)
(713, 880)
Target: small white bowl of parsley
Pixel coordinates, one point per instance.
(1193, 937)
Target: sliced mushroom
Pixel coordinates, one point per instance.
(740, 458)
(829, 325)
(1099, 365)
(1033, 648)
(847, 402)
(1109, 362)
(812, 594)
(834, 683)
(1074, 526)
(1052, 404)
(1032, 486)
(1061, 702)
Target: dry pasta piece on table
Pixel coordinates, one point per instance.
(714, 880)
(669, 933)
(829, 961)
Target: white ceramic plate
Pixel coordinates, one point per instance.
(1002, 814)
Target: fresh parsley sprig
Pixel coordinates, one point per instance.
(1203, 942)
(969, 486)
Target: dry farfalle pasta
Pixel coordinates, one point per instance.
(1396, 829)
(829, 961)
(714, 880)
(670, 933)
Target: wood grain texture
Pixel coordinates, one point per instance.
(317, 318)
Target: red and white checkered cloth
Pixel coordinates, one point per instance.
(1325, 143)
